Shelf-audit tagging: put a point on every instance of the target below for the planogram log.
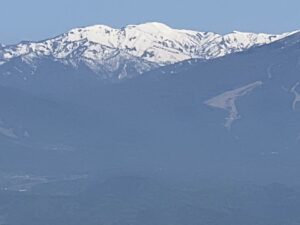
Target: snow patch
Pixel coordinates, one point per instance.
(297, 96)
(8, 132)
(227, 101)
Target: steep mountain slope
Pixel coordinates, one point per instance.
(129, 51)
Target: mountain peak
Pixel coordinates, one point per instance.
(151, 27)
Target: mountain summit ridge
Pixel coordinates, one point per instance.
(135, 48)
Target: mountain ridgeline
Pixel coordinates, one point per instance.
(205, 129)
(130, 51)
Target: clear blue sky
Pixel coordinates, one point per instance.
(40, 19)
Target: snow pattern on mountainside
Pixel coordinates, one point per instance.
(297, 95)
(107, 50)
(227, 101)
(12, 132)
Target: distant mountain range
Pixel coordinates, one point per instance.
(129, 51)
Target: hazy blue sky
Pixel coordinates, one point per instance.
(39, 19)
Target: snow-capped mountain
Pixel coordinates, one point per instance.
(131, 50)
(70, 145)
